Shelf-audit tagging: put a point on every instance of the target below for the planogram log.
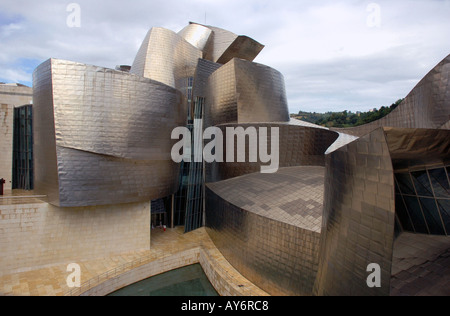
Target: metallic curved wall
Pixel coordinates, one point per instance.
(166, 57)
(221, 45)
(268, 227)
(298, 146)
(360, 205)
(103, 136)
(426, 106)
(358, 218)
(197, 35)
(245, 92)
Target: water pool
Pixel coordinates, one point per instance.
(186, 281)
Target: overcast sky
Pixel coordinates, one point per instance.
(334, 55)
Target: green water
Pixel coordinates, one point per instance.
(186, 281)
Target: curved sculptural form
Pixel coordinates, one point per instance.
(245, 92)
(166, 57)
(361, 205)
(103, 136)
(197, 35)
(311, 223)
(219, 45)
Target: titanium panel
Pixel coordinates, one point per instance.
(46, 180)
(197, 35)
(246, 92)
(243, 47)
(293, 195)
(118, 125)
(204, 69)
(224, 45)
(358, 218)
(426, 106)
(298, 146)
(412, 148)
(268, 229)
(166, 57)
(220, 40)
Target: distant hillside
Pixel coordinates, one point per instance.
(346, 118)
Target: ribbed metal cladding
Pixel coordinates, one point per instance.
(426, 106)
(244, 92)
(103, 136)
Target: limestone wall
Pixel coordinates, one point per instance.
(38, 235)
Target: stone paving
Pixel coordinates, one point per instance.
(51, 281)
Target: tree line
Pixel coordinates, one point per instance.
(346, 118)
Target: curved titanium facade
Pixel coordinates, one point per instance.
(220, 45)
(426, 106)
(358, 218)
(245, 92)
(103, 136)
(298, 146)
(166, 57)
(197, 35)
(361, 208)
(268, 226)
(312, 228)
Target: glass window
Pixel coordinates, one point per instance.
(444, 206)
(430, 211)
(402, 214)
(422, 183)
(404, 182)
(416, 214)
(440, 183)
(397, 190)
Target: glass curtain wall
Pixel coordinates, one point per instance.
(188, 203)
(23, 148)
(422, 199)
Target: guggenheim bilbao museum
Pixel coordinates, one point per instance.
(310, 211)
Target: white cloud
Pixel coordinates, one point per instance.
(330, 57)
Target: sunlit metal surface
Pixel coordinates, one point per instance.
(245, 92)
(360, 206)
(224, 45)
(298, 146)
(103, 136)
(167, 57)
(268, 226)
(197, 35)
